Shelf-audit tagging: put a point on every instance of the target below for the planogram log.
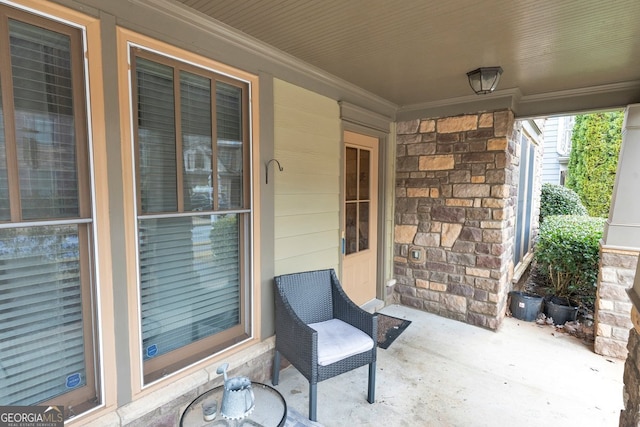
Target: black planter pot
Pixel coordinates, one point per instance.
(525, 306)
(560, 310)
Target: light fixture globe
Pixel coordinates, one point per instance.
(484, 79)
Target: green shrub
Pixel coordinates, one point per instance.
(567, 253)
(595, 146)
(559, 200)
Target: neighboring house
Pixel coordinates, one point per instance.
(141, 225)
(557, 147)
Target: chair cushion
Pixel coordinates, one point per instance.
(338, 340)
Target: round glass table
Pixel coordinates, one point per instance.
(270, 409)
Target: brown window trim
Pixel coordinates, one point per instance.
(157, 367)
(88, 396)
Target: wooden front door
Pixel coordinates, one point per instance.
(360, 210)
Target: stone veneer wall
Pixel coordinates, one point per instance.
(613, 306)
(630, 415)
(454, 216)
(164, 407)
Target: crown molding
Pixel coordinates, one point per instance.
(363, 117)
(280, 64)
(570, 101)
(584, 91)
(580, 100)
(468, 104)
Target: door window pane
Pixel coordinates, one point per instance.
(44, 121)
(41, 332)
(363, 175)
(363, 226)
(156, 137)
(357, 191)
(351, 225)
(351, 173)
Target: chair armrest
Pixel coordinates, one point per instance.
(347, 311)
(295, 340)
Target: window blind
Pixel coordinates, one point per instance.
(156, 136)
(230, 137)
(190, 266)
(5, 208)
(41, 333)
(190, 279)
(44, 123)
(42, 342)
(195, 107)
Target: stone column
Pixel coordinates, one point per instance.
(630, 415)
(620, 246)
(617, 271)
(454, 215)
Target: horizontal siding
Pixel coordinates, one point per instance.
(311, 186)
(298, 225)
(550, 165)
(551, 177)
(306, 204)
(306, 245)
(320, 146)
(316, 261)
(307, 133)
(304, 122)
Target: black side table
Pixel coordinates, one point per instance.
(270, 409)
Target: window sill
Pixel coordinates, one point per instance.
(172, 390)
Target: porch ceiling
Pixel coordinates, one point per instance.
(416, 52)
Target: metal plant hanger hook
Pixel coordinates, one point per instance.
(267, 169)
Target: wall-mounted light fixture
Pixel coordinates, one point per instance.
(484, 79)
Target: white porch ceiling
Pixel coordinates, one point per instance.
(417, 52)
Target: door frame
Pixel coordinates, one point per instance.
(384, 228)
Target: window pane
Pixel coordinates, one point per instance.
(45, 136)
(230, 139)
(156, 137)
(5, 213)
(351, 173)
(195, 100)
(41, 333)
(190, 280)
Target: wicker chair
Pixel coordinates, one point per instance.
(321, 332)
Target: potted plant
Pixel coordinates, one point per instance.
(525, 305)
(558, 304)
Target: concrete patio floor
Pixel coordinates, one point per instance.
(441, 372)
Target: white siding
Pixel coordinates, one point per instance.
(550, 163)
(307, 134)
(557, 146)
